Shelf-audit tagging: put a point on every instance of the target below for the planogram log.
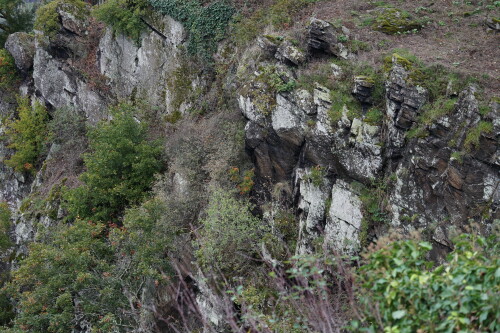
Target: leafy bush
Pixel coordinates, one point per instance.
(230, 235)
(206, 24)
(402, 293)
(27, 135)
(123, 16)
(8, 70)
(47, 17)
(120, 168)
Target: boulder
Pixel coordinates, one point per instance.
(22, 47)
(322, 37)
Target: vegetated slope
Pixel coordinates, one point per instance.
(263, 166)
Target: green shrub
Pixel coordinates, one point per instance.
(8, 70)
(124, 16)
(5, 242)
(206, 24)
(402, 292)
(70, 274)
(47, 17)
(230, 235)
(120, 168)
(27, 135)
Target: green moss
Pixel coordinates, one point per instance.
(47, 16)
(474, 134)
(392, 21)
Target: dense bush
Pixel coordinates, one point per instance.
(8, 70)
(15, 15)
(402, 292)
(124, 16)
(120, 168)
(47, 17)
(230, 237)
(69, 276)
(206, 24)
(27, 135)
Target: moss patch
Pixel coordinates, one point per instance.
(392, 21)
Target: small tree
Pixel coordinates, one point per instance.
(27, 135)
(120, 168)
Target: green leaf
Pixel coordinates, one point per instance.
(398, 314)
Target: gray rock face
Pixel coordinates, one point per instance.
(431, 184)
(22, 47)
(60, 86)
(142, 72)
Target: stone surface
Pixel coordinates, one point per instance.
(290, 54)
(344, 219)
(22, 47)
(142, 72)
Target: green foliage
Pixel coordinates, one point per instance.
(341, 90)
(402, 293)
(120, 168)
(206, 24)
(27, 135)
(230, 235)
(316, 175)
(5, 242)
(47, 17)
(69, 274)
(124, 16)
(8, 70)
(145, 239)
(474, 134)
(374, 116)
(15, 16)
(275, 80)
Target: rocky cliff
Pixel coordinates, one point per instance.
(348, 168)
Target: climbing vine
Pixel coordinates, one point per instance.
(206, 24)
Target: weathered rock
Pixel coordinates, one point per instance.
(290, 54)
(322, 37)
(493, 23)
(268, 45)
(22, 47)
(363, 89)
(343, 223)
(60, 86)
(311, 206)
(142, 72)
